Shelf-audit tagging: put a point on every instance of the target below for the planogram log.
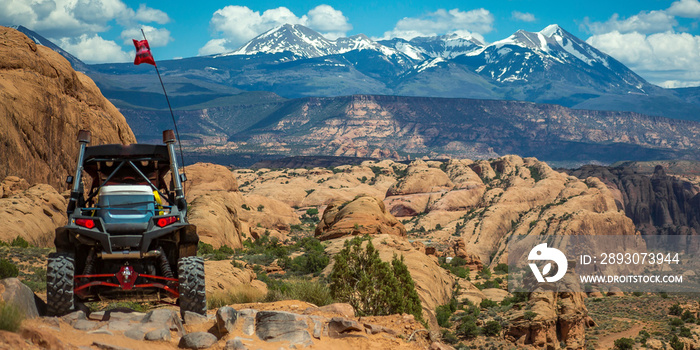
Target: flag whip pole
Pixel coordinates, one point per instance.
(172, 115)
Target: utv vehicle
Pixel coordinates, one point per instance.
(127, 237)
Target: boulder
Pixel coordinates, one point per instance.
(226, 317)
(197, 340)
(14, 292)
(277, 326)
(364, 215)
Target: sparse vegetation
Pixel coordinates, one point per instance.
(11, 317)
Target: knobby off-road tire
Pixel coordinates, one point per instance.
(193, 296)
(60, 275)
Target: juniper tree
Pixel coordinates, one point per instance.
(372, 286)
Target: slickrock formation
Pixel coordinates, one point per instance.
(364, 215)
(32, 213)
(43, 105)
(224, 216)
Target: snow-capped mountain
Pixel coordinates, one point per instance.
(304, 42)
(555, 58)
(443, 46)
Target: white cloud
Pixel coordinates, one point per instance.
(235, 25)
(443, 22)
(644, 22)
(74, 23)
(330, 22)
(523, 16)
(150, 15)
(662, 58)
(214, 46)
(156, 37)
(685, 8)
(95, 49)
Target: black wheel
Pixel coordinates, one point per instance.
(193, 295)
(60, 273)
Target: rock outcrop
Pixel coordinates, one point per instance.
(657, 203)
(363, 215)
(43, 105)
(32, 213)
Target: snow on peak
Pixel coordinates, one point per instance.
(551, 30)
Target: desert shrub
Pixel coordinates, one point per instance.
(204, 248)
(624, 344)
(449, 337)
(685, 332)
(688, 317)
(487, 303)
(663, 295)
(314, 292)
(676, 344)
(642, 337)
(371, 286)
(138, 307)
(485, 273)
(36, 281)
(676, 322)
(8, 269)
(11, 317)
(675, 310)
(312, 211)
(20, 242)
(492, 328)
(468, 327)
(530, 315)
(444, 312)
(501, 268)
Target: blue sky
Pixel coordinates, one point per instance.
(660, 40)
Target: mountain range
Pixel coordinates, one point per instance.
(240, 95)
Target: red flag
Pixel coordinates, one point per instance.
(143, 53)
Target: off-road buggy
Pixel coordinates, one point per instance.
(127, 237)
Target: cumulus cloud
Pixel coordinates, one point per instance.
(443, 22)
(685, 8)
(95, 49)
(234, 25)
(328, 21)
(523, 16)
(644, 22)
(667, 59)
(74, 23)
(156, 37)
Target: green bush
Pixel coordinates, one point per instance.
(204, 248)
(501, 268)
(449, 337)
(485, 273)
(468, 327)
(676, 322)
(688, 317)
(312, 211)
(20, 242)
(8, 269)
(444, 312)
(492, 328)
(487, 303)
(624, 344)
(676, 344)
(372, 286)
(11, 317)
(675, 310)
(685, 332)
(530, 315)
